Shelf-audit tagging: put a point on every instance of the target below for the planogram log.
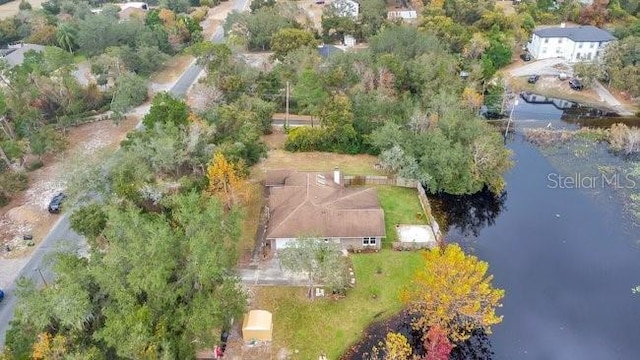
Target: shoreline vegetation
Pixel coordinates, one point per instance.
(608, 160)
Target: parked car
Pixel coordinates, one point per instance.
(56, 203)
(1, 295)
(575, 84)
(526, 56)
(563, 76)
(533, 79)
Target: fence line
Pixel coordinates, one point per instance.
(360, 180)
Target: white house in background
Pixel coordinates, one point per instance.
(125, 6)
(346, 8)
(574, 43)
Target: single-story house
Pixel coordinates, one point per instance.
(303, 204)
(573, 43)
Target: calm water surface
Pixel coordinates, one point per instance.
(566, 259)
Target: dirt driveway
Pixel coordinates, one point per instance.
(27, 212)
(540, 67)
(549, 85)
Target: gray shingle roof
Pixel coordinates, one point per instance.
(576, 33)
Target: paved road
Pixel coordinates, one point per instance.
(34, 267)
(62, 231)
(191, 74)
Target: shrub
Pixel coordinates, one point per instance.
(199, 14)
(306, 139)
(35, 165)
(24, 5)
(10, 183)
(624, 139)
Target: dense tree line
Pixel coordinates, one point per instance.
(403, 100)
(162, 240)
(45, 91)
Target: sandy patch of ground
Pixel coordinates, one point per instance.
(11, 8)
(551, 86)
(27, 213)
(313, 12)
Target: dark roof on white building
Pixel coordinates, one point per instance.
(586, 33)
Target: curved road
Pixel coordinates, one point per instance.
(62, 231)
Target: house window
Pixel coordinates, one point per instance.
(592, 45)
(369, 241)
(546, 41)
(560, 41)
(580, 46)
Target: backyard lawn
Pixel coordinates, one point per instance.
(401, 206)
(331, 326)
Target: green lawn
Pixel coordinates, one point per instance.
(331, 326)
(401, 206)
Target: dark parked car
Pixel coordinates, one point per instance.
(575, 84)
(525, 56)
(56, 203)
(1, 295)
(533, 79)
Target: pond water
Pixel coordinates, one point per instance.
(533, 110)
(566, 258)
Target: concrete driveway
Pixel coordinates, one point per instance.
(269, 273)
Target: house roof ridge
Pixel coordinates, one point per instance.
(306, 199)
(348, 196)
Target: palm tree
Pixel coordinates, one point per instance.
(66, 36)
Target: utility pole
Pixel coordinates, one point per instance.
(513, 107)
(286, 115)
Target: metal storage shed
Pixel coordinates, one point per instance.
(257, 325)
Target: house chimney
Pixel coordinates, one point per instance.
(563, 24)
(336, 176)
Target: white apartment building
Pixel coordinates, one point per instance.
(574, 43)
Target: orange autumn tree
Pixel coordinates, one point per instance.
(49, 347)
(454, 292)
(225, 181)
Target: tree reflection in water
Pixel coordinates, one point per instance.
(478, 347)
(465, 216)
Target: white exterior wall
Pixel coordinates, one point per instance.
(283, 243)
(553, 47)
